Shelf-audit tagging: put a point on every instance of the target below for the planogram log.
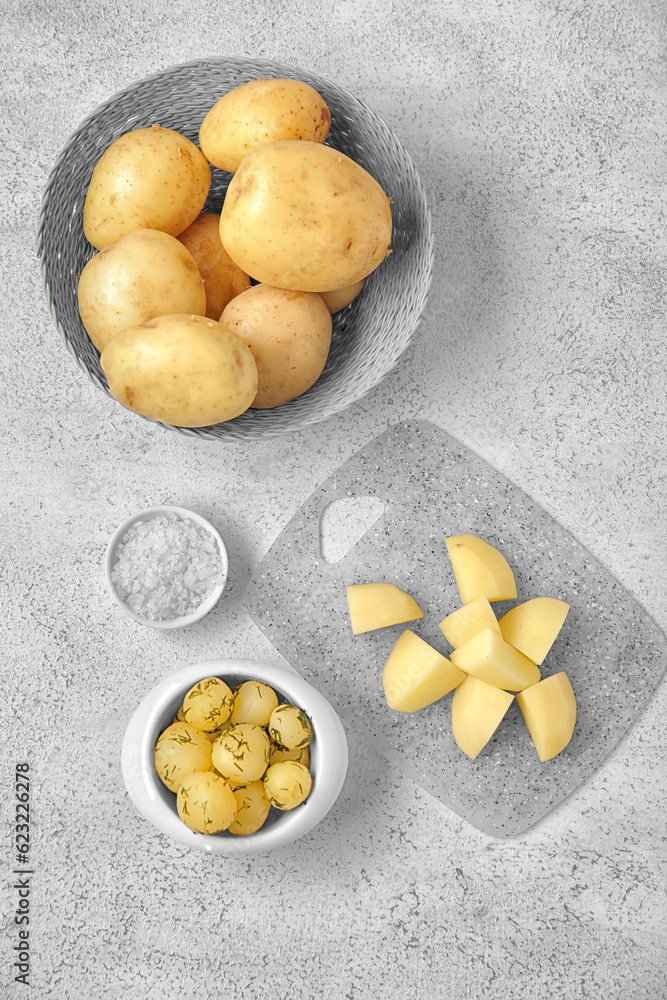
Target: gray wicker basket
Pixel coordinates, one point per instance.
(369, 336)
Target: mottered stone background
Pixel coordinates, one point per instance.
(539, 131)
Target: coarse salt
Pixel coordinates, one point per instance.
(166, 567)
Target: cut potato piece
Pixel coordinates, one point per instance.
(477, 711)
(377, 605)
(480, 570)
(550, 711)
(532, 627)
(493, 660)
(468, 621)
(416, 674)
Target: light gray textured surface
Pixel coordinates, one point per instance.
(539, 132)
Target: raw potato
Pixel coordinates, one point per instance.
(465, 623)
(417, 675)
(303, 216)
(261, 111)
(550, 711)
(532, 627)
(377, 605)
(341, 297)
(289, 335)
(223, 279)
(480, 570)
(149, 178)
(477, 711)
(241, 754)
(252, 808)
(287, 784)
(205, 802)
(253, 702)
(145, 274)
(180, 750)
(187, 371)
(289, 727)
(207, 705)
(493, 660)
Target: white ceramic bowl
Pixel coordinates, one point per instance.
(146, 515)
(328, 757)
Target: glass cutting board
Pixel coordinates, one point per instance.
(430, 487)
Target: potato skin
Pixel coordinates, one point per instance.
(148, 178)
(223, 279)
(187, 371)
(303, 216)
(145, 274)
(289, 335)
(261, 111)
(341, 297)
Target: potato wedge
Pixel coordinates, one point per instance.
(480, 569)
(493, 660)
(416, 675)
(378, 605)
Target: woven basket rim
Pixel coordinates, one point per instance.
(300, 420)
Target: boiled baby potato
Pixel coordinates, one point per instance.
(149, 178)
(493, 660)
(253, 702)
(205, 802)
(252, 808)
(467, 621)
(478, 709)
(417, 675)
(301, 755)
(261, 111)
(241, 754)
(145, 274)
(223, 279)
(550, 711)
(532, 627)
(341, 297)
(480, 569)
(303, 216)
(290, 728)
(377, 605)
(181, 749)
(208, 704)
(287, 784)
(187, 371)
(289, 335)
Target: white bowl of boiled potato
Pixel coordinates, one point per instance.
(170, 765)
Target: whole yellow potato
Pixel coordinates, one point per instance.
(253, 702)
(223, 279)
(341, 297)
(303, 216)
(287, 784)
(208, 704)
(180, 750)
(289, 334)
(187, 371)
(241, 754)
(290, 728)
(149, 178)
(252, 808)
(301, 755)
(145, 274)
(205, 802)
(261, 111)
